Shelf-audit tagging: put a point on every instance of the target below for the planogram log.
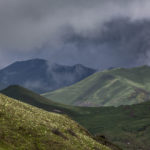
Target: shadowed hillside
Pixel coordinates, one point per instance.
(108, 88)
(24, 95)
(41, 76)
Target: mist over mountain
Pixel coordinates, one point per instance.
(119, 42)
(96, 33)
(41, 76)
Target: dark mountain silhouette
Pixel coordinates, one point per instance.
(40, 76)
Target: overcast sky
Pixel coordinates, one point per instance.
(96, 33)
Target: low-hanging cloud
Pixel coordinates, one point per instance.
(81, 31)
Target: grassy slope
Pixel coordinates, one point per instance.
(27, 96)
(127, 126)
(24, 127)
(108, 88)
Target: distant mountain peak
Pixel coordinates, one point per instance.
(42, 75)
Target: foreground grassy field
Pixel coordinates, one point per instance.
(126, 126)
(24, 127)
(108, 88)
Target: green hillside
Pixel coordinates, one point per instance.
(27, 96)
(24, 95)
(108, 88)
(24, 127)
(126, 126)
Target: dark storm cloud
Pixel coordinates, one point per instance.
(69, 31)
(119, 42)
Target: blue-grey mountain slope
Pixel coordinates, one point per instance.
(40, 76)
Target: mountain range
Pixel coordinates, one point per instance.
(41, 76)
(124, 122)
(112, 87)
